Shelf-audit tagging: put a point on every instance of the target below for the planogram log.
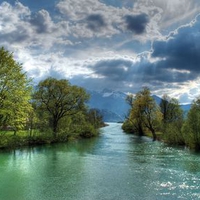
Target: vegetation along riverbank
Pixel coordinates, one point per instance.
(56, 111)
(53, 111)
(166, 121)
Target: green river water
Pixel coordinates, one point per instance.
(113, 166)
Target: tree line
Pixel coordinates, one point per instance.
(52, 111)
(166, 121)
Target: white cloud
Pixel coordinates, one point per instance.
(87, 32)
(22, 28)
(176, 12)
(77, 12)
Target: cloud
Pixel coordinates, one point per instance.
(181, 51)
(99, 43)
(90, 18)
(22, 28)
(137, 23)
(173, 64)
(116, 70)
(107, 19)
(42, 21)
(74, 20)
(176, 12)
(95, 22)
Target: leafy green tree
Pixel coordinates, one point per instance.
(144, 113)
(15, 92)
(95, 117)
(133, 122)
(59, 99)
(170, 109)
(191, 128)
(33, 121)
(150, 111)
(172, 120)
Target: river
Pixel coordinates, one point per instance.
(113, 166)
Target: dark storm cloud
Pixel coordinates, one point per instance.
(136, 23)
(122, 72)
(95, 22)
(95, 83)
(115, 69)
(127, 70)
(182, 51)
(179, 62)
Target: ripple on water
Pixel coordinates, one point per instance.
(113, 166)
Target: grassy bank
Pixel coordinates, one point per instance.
(8, 140)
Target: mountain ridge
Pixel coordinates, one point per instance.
(113, 106)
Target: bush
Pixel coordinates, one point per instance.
(173, 134)
(128, 127)
(191, 138)
(88, 131)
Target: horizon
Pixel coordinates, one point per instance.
(157, 96)
(119, 45)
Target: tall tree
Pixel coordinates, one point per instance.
(145, 113)
(15, 92)
(170, 109)
(172, 120)
(191, 128)
(135, 115)
(95, 117)
(59, 99)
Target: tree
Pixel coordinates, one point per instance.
(59, 99)
(133, 122)
(144, 112)
(95, 117)
(15, 92)
(172, 120)
(150, 111)
(191, 128)
(170, 109)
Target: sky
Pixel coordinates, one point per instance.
(122, 45)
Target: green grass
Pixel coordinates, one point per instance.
(9, 140)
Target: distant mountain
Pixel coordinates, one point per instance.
(186, 108)
(113, 106)
(110, 116)
(157, 99)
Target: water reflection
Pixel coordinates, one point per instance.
(112, 166)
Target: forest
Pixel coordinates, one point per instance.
(53, 111)
(166, 122)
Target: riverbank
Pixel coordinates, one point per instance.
(94, 168)
(23, 139)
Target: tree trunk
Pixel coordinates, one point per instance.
(15, 132)
(140, 130)
(31, 128)
(153, 134)
(55, 127)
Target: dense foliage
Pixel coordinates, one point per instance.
(191, 128)
(15, 93)
(54, 112)
(172, 120)
(144, 113)
(57, 99)
(167, 119)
